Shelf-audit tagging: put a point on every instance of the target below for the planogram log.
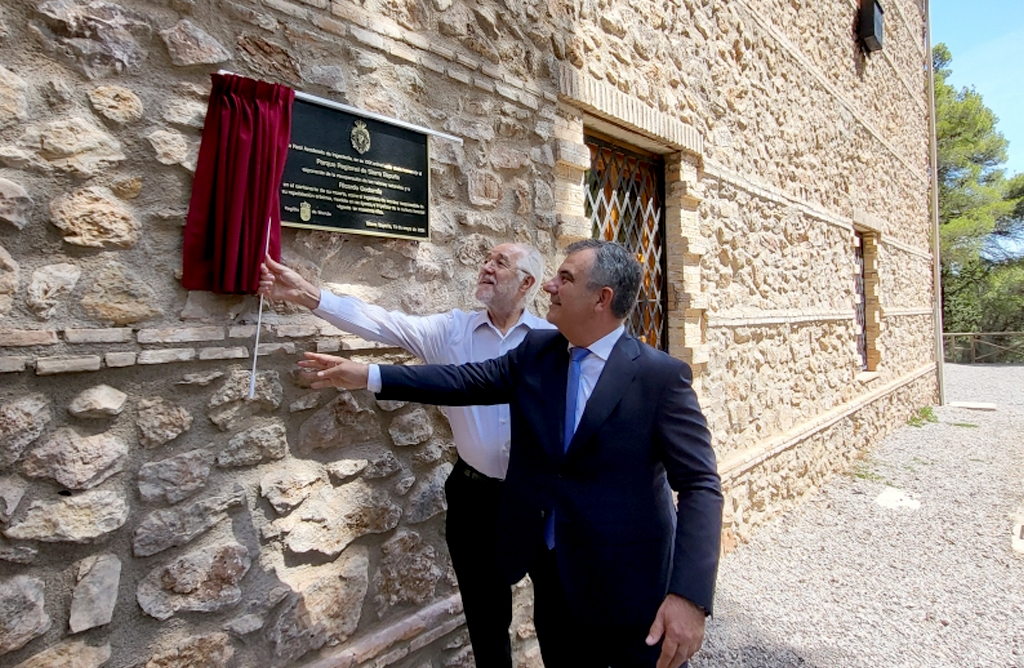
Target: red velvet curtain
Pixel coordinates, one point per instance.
(237, 185)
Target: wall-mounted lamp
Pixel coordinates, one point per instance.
(870, 32)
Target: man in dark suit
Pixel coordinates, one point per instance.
(603, 429)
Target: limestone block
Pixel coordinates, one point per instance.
(505, 157)
(543, 197)
(171, 146)
(463, 127)
(430, 453)
(75, 461)
(14, 364)
(201, 379)
(209, 651)
(324, 606)
(117, 360)
(50, 286)
(333, 517)
(244, 625)
(22, 616)
(15, 204)
(175, 478)
(94, 217)
(12, 489)
(69, 654)
(382, 465)
(172, 527)
(101, 401)
(97, 38)
(408, 571)
(188, 44)
(484, 189)
(288, 487)
(204, 580)
(230, 404)
(257, 445)
(13, 103)
(331, 77)
(17, 554)
(160, 421)
(427, 497)
(96, 335)
(304, 403)
(411, 428)
(127, 187)
(344, 469)
(76, 146)
(185, 112)
(21, 422)
(405, 483)
(341, 423)
(75, 519)
(95, 594)
(116, 103)
(57, 93)
(28, 337)
(9, 277)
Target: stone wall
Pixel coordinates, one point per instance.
(151, 515)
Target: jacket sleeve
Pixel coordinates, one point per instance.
(689, 460)
(472, 384)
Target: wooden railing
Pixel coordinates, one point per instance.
(985, 347)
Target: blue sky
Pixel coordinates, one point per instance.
(986, 38)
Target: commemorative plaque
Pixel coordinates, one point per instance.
(347, 173)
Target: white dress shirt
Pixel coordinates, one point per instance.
(591, 367)
(482, 433)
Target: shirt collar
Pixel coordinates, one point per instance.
(602, 348)
(480, 318)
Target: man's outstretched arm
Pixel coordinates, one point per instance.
(473, 384)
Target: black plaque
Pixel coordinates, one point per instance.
(347, 173)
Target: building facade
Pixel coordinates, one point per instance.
(772, 176)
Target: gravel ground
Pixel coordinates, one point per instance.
(844, 581)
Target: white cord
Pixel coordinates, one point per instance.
(259, 326)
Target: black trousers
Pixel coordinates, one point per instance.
(567, 641)
(471, 528)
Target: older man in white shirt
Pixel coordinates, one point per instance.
(508, 281)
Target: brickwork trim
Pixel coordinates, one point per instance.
(739, 463)
(758, 188)
(780, 317)
(605, 101)
(446, 613)
(917, 172)
(903, 312)
(887, 240)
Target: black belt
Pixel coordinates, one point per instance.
(464, 469)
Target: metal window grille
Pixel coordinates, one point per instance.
(860, 280)
(625, 203)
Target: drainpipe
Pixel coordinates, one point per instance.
(936, 262)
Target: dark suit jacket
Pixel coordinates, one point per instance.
(621, 543)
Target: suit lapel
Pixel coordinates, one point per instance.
(616, 377)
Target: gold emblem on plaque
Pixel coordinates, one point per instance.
(360, 138)
(305, 211)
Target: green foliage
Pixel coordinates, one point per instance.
(981, 212)
(969, 425)
(924, 415)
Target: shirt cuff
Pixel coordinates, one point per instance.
(373, 381)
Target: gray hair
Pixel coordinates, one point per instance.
(530, 262)
(614, 267)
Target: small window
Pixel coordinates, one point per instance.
(625, 203)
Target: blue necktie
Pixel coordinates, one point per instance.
(572, 390)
